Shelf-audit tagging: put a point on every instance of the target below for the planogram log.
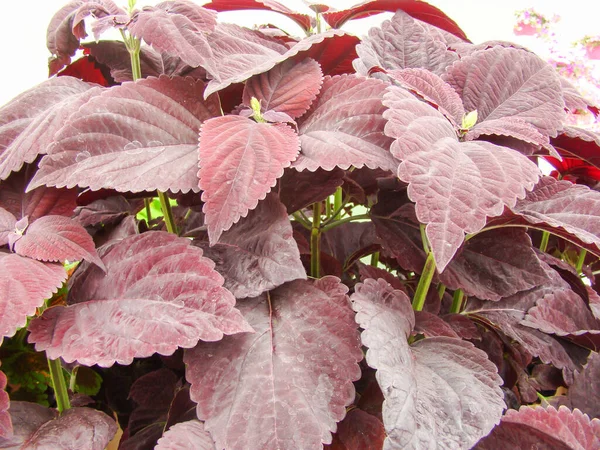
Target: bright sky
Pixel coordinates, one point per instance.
(23, 28)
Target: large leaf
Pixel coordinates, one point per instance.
(579, 143)
(506, 82)
(186, 435)
(344, 127)
(546, 428)
(240, 161)
(358, 431)
(134, 137)
(298, 190)
(288, 384)
(178, 28)
(6, 428)
(584, 393)
(289, 87)
(402, 43)
(29, 121)
(439, 391)
(25, 284)
(258, 253)
(26, 418)
(159, 293)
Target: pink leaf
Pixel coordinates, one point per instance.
(258, 253)
(240, 161)
(186, 435)
(291, 383)
(26, 283)
(7, 225)
(26, 419)
(159, 293)
(6, 428)
(134, 137)
(57, 238)
(289, 87)
(344, 127)
(423, 382)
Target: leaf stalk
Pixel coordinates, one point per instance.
(59, 385)
(315, 242)
(457, 301)
(424, 283)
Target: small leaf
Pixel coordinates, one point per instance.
(186, 435)
(469, 120)
(358, 431)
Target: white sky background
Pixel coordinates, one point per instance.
(23, 28)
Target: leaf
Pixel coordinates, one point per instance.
(293, 377)
(60, 40)
(240, 161)
(431, 325)
(585, 390)
(298, 190)
(358, 431)
(402, 43)
(511, 127)
(289, 87)
(29, 121)
(183, 435)
(344, 127)
(544, 428)
(506, 82)
(258, 253)
(335, 53)
(6, 428)
(178, 28)
(426, 403)
(26, 418)
(105, 211)
(159, 293)
(579, 143)
(349, 242)
(7, 226)
(134, 137)
(87, 69)
(25, 284)
(57, 238)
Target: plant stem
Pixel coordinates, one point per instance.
(168, 213)
(148, 211)
(424, 282)
(544, 243)
(59, 385)
(315, 242)
(580, 260)
(375, 259)
(336, 223)
(441, 288)
(338, 203)
(424, 239)
(457, 300)
(302, 220)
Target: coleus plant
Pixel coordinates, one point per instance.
(355, 246)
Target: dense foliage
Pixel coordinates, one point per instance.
(234, 238)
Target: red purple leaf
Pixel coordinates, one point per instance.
(86, 69)
(291, 385)
(57, 238)
(105, 211)
(426, 403)
(6, 428)
(546, 428)
(240, 161)
(26, 283)
(505, 82)
(26, 419)
(335, 53)
(178, 28)
(60, 40)
(573, 142)
(344, 127)
(430, 325)
(186, 435)
(512, 127)
(298, 190)
(358, 431)
(29, 121)
(403, 43)
(7, 225)
(289, 87)
(134, 137)
(159, 293)
(585, 390)
(258, 253)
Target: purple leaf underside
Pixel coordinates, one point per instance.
(186, 435)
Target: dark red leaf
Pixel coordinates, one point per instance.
(417, 9)
(335, 54)
(26, 283)
(258, 253)
(424, 381)
(376, 273)
(430, 325)
(585, 390)
(512, 127)
(358, 431)
(60, 40)
(293, 377)
(106, 211)
(574, 170)
(350, 241)
(288, 87)
(573, 142)
(134, 137)
(240, 161)
(544, 428)
(185, 435)
(26, 418)
(344, 127)
(87, 70)
(6, 428)
(159, 293)
(298, 190)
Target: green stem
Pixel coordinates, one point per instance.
(336, 223)
(148, 211)
(315, 242)
(544, 243)
(424, 239)
(327, 209)
(302, 220)
(441, 288)
(457, 300)
(424, 282)
(338, 203)
(73, 380)
(165, 205)
(375, 259)
(59, 385)
(581, 260)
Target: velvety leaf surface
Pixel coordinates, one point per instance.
(358, 431)
(178, 28)
(6, 428)
(258, 253)
(284, 386)
(159, 293)
(186, 435)
(57, 238)
(402, 43)
(544, 428)
(423, 384)
(288, 87)
(134, 137)
(25, 284)
(298, 190)
(240, 161)
(29, 121)
(344, 127)
(584, 392)
(26, 418)
(506, 82)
